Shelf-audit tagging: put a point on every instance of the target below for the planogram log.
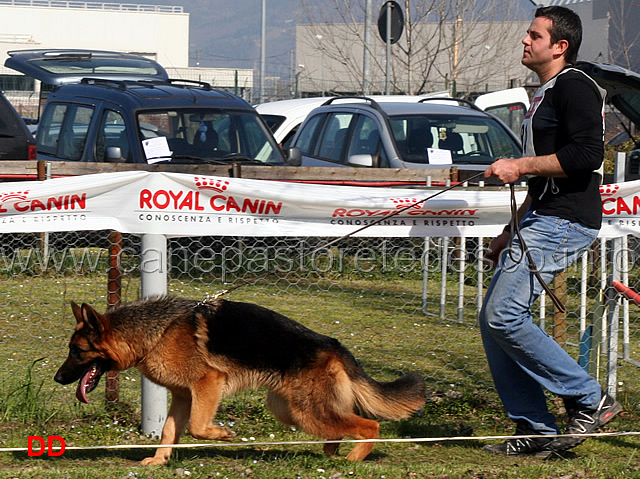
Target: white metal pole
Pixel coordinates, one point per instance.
(462, 265)
(425, 274)
(153, 274)
(620, 168)
(584, 278)
(444, 255)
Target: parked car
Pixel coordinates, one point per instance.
(16, 141)
(108, 106)
(623, 92)
(284, 117)
(436, 132)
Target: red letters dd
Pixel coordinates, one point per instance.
(49, 448)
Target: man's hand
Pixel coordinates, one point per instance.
(506, 170)
(498, 244)
(509, 170)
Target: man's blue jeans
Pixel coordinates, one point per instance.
(523, 359)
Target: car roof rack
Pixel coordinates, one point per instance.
(371, 101)
(461, 101)
(124, 84)
(204, 85)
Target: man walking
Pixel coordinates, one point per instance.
(562, 137)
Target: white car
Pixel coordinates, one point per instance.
(285, 116)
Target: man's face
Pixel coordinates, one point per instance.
(538, 49)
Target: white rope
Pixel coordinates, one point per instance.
(290, 443)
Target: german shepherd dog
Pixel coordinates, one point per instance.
(205, 351)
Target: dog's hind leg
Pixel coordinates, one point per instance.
(331, 448)
(172, 430)
(352, 426)
(205, 398)
(360, 428)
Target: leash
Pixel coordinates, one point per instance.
(337, 240)
(515, 228)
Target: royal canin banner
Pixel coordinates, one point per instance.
(175, 204)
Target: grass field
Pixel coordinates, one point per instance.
(381, 322)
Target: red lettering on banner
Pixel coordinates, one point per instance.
(145, 198)
(161, 199)
(619, 206)
(229, 203)
(214, 203)
(67, 202)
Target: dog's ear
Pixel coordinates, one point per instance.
(92, 319)
(77, 312)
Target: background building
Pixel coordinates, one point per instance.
(159, 32)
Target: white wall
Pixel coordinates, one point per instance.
(163, 33)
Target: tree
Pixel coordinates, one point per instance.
(453, 44)
(624, 31)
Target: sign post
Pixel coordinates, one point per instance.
(390, 27)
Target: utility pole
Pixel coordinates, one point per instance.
(387, 75)
(263, 49)
(366, 68)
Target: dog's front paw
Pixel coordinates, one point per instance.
(226, 434)
(154, 461)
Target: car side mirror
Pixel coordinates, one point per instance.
(293, 156)
(361, 160)
(113, 154)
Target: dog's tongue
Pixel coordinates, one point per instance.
(85, 385)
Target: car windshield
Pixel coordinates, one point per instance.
(212, 135)
(464, 139)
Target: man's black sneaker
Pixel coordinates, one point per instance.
(526, 446)
(586, 421)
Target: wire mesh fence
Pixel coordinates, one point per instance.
(399, 304)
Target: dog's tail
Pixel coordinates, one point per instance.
(394, 400)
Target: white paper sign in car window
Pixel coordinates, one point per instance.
(156, 149)
(439, 157)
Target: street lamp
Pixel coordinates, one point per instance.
(319, 38)
(298, 73)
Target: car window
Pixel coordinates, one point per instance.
(365, 140)
(112, 133)
(468, 139)
(273, 121)
(63, 130)
(512, 115)
(334, 137)
(210, 133)
(286, 141)
(306, 139)
(254, 145)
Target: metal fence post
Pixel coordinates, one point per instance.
(153, 273)
(615, 300)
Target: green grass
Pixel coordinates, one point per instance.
(378, 319)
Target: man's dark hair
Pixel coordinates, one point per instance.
(566, 25)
